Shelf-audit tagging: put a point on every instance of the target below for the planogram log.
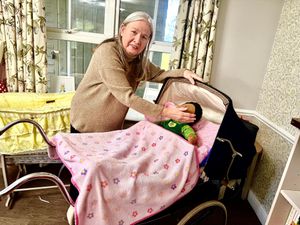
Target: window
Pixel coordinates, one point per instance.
(75, 27)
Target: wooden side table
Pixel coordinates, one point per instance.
(251, 170)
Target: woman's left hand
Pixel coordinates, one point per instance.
(191, 76)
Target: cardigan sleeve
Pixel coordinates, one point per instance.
(113, 75)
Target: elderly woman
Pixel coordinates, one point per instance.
(117, 66)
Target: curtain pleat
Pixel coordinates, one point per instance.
(23, 31)
(194, 36)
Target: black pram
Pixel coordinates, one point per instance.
(229, 157)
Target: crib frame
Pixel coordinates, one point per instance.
(21, 160)
(49, 110)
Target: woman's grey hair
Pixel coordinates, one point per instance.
(142, 59)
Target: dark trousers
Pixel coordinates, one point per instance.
(73, 190)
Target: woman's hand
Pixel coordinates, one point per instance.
(178, 114)
(191, 76)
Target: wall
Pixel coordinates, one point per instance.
(279, 101)
(257, 63)
(279, 96)
(244, 38)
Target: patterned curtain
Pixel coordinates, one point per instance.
(23, 32)
(194, 36)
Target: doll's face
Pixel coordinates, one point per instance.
(193, 108)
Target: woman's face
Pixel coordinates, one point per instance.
(135, 37)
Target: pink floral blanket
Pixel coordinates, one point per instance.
(128, 175)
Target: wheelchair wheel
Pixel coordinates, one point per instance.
(208, 213)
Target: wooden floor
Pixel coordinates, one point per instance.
(47, 207)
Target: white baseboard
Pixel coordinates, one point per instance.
(257, 207)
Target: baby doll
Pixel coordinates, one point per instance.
(184, 129)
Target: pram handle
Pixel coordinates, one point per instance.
(35, 176)
(234, 154)
(42, 132)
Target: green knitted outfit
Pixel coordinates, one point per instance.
(182, 129)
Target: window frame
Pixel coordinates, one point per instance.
(110, 29)
(63, 68)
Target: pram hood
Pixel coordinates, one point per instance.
(233, 134)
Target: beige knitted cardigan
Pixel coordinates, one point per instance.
(107, 91)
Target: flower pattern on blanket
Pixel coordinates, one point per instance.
(127, 175)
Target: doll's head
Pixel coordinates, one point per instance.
(193, 107)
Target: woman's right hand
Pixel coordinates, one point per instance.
(178, 114)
